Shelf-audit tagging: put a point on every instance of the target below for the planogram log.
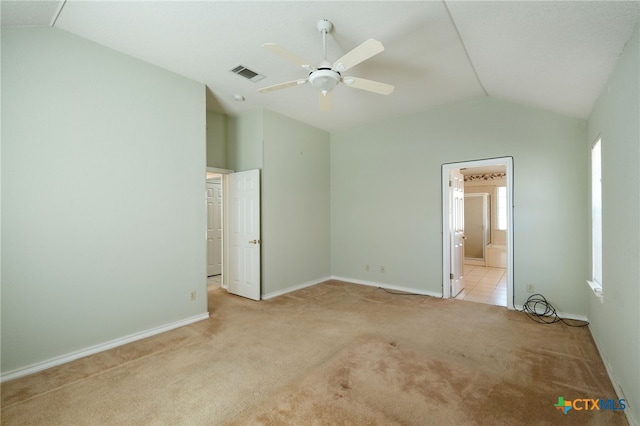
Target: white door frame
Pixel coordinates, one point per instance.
(446, 237)
(456, 246)
(225, 191)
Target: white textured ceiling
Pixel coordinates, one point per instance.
(553, 55)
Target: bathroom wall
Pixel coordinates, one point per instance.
(497, 236)
(477, 227)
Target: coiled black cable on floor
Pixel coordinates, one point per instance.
(540, 310)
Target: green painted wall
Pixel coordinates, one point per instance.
(103, 158)
(386, 196)
(245, 143)
(295, 207)
(615, 323)
(217, 140)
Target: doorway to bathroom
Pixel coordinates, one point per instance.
(478, 231)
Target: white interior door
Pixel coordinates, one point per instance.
(214, 228)
(456, 220)
(244, 234)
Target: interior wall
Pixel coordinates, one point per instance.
(103, 158)
(216, 140)
(245, 141)
(385, 196)
(295, 208)
(615, 323)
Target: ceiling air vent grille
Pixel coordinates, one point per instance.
(247, 73)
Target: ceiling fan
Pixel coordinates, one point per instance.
(327, 75)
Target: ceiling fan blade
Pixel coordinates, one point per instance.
(278, 50)
(325, 101)
(369, 85)
(282, 85)
(360, 54)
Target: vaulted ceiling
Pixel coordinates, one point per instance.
(553, 55)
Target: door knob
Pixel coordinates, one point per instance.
(254, 242)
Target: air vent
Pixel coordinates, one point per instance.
(247, 73)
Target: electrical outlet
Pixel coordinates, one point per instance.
(192, 296)
(366, 268)
(530, 288)
(382, 269)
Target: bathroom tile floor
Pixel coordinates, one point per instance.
(484, 285)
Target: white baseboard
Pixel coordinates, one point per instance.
(353, 281)
(271, 295)
(388, 286)
(63, 359)
(633, 421)
(563, 315)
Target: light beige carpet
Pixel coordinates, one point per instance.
(335, 353)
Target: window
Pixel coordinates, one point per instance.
(596, 217)
(501, 207)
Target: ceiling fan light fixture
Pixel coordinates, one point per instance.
(324, 80)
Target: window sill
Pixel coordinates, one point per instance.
(597, 290)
